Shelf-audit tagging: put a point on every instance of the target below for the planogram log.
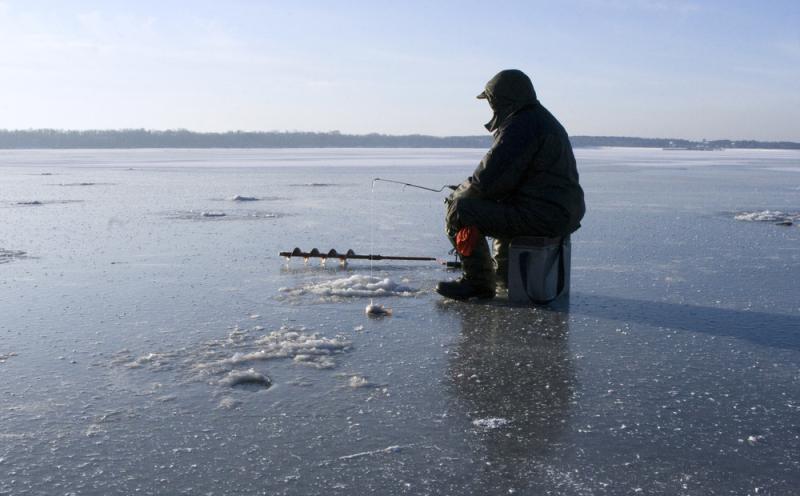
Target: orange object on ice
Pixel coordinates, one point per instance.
(466, 239)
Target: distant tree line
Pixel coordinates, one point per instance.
(624, 141)
(144, 138)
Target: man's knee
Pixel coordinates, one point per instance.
(460, 213)
(463, 212)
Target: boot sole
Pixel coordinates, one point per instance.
(485, 296)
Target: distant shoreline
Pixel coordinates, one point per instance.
(46, 139)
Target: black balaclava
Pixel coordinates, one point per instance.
(507, 92)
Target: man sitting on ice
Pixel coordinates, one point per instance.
(525, 185)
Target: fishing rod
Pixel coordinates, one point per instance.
(415, 185)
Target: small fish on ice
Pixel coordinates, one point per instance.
(377, 310)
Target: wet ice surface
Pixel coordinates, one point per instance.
(144, 353)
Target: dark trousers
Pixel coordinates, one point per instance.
(497, 220)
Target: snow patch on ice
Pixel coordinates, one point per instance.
(241, 198)
(244, 378)
(354, 286)
(490, 423)
(228, 403)
(234, 360)
(768, 216)
(303, 348)
(153, 360)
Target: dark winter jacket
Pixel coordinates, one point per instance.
(532, 168)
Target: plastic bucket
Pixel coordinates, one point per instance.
(538, 269)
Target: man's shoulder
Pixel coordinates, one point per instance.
(533, 121)
(521, 122)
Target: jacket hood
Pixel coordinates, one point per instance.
(507, 92)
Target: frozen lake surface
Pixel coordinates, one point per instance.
(152, 341)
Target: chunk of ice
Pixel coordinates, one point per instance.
(358, 382)
(245, 377)
(767, 216)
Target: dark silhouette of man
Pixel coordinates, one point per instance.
(525, 185)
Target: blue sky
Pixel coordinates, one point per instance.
(656, 68)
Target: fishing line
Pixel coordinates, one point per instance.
(371, 232)
(371, 226)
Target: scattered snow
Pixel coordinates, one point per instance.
(490, 423)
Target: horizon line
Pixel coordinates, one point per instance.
(340, 133)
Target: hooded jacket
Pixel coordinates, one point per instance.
(530, 165)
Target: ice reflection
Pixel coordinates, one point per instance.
(513, 373)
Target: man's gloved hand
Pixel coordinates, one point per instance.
(463, 190)
(466, 239)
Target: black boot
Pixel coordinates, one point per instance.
(464, 289)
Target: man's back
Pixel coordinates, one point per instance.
(531, 166)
